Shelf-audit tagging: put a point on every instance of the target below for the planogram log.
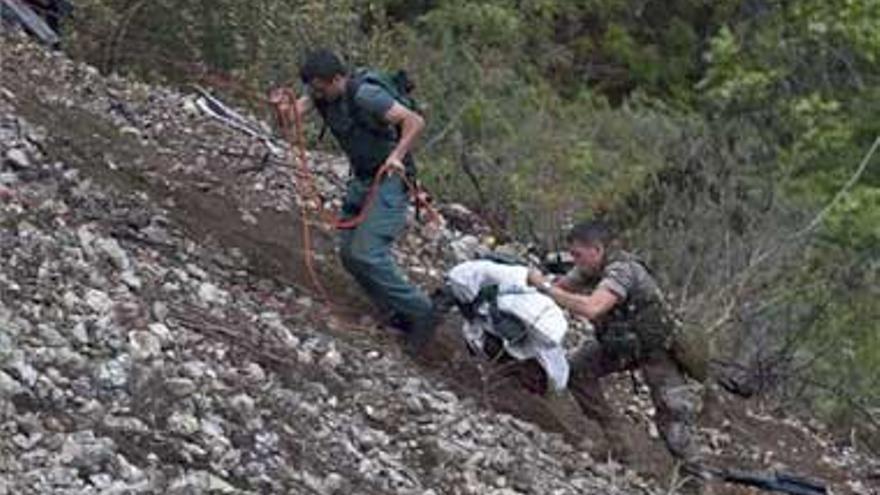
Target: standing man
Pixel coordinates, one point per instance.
(374, 130)
(634, 330)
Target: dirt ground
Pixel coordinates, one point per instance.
(273, 246)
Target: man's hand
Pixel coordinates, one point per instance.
(288, 105)
(410, 124)
(284, 100)
(394, 165)
(535, 278)
(543, 283)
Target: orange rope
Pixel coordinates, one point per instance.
(299, 146)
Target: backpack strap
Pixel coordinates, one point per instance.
(354, 83)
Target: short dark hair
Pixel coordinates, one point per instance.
(323, 64)
(591, 232)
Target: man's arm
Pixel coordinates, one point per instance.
(381, 105)
(304, 105)
(283, 98)
(566, 284)
(590, 306)
(411, 125)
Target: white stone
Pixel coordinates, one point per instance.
(212, 427)
(99, 301)
(190, 107)
(8, 179)
(183, 423)
(465, 248)
(196, 272)
(332, 359)
(303, 356)
(70, 300)
(181, 387)
(114, 373)
(200, 482)
(211, 294)
(255, 373)
(114, 252)
(196, 369)
(249, 218)
(101, 480)
(160, 311)
(129, 130)
(50, 335)
(86, 240)
(27, 373)
(144, 345)
(131, 280)
(333, 482)
(18, 158)
(8, 386)
(129, 471)
(161, 332)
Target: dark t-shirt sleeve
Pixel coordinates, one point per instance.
(375, 100)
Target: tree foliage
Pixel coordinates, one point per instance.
(711, 132)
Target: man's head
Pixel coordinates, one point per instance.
(588, 242)
(325, 75)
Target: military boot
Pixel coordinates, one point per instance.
(690, 478)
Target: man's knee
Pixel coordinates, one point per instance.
(585, 364)
(346, 255)
(355, 259)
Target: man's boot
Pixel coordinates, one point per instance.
(397, 323)
(690, 478)
(420, 333)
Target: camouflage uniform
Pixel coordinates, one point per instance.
(635, 334)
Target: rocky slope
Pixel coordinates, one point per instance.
(159, 333)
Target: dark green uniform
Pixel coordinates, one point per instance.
(635, 334)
